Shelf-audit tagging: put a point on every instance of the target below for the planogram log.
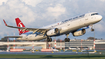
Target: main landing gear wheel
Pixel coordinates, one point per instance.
(92, 29)
(49, 39)
(67, 40)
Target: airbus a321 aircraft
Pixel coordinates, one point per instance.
(77, 26)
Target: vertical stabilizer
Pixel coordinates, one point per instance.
(20, 24)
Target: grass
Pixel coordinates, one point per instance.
(54, 56)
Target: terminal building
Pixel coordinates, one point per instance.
(73, 44)
(80, 44)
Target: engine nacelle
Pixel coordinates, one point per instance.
(79, 33)
(53, 32)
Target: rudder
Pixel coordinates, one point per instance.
(20, 24)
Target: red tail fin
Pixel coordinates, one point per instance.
(20, 24)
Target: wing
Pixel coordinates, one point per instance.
(41, 30)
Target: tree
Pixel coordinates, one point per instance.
(4, 40)
(91, 38)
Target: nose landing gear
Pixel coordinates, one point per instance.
(92, 29)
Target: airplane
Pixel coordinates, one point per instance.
(77, 26)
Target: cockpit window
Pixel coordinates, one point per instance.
(94, 14)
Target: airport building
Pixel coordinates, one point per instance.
(100, 45)
(80, 44)
(73, 44)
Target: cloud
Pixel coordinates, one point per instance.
(3, 1)
(15, 8)
(56, 11)
(32, 2)
(100, 26)
(102, 0)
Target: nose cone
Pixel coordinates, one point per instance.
(99, 17)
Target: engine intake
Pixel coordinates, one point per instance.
(53, 32)
(79, 33)
(56, 30)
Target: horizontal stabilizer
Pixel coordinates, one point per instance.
(13, 37)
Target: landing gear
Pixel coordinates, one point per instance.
(92, 29)
(67, 39)
(49, 39)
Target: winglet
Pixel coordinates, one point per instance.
(4, 22)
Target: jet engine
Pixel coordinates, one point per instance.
(56, 30)
(79, 33)
(53, 32)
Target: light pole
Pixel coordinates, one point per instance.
(8, 43)
(94, 37)
(14, 40)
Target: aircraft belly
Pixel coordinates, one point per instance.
(39, 37)
(34, 37)
(70, 29)
(73, 26)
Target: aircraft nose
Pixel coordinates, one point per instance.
(99, 17)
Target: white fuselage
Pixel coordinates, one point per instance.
(65, 27)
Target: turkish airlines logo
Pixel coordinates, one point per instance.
(20, 25)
